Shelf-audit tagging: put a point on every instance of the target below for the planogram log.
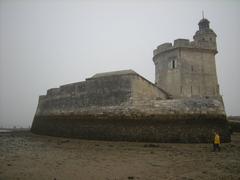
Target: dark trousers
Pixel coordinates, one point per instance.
(216, 147)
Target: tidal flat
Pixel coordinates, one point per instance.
(24, 155)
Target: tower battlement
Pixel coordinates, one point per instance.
(178, 43)
(185, 43)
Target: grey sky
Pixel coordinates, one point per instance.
(45, 44)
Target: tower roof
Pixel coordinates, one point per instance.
(204, 27)
(203, 24)
(203, 21)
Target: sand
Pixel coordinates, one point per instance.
(24, 155)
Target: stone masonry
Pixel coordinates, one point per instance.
(184, 105)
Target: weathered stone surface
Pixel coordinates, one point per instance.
(138, 127)
(134, 118)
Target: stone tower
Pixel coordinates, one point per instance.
(188, 69)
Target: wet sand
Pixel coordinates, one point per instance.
(27, 156)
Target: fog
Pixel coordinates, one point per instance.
(45, 44)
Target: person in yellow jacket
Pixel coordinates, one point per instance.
(216, 142)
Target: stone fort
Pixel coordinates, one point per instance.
(183, 105)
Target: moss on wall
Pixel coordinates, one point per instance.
(161, 128)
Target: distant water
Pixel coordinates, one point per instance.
(5, 130)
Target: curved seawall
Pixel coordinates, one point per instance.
(187, 121)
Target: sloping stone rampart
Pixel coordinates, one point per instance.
(116, 108)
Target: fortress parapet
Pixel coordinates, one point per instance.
(185, 43)
(108, 89)
(163, 47)
(178, 43)
(181, 43)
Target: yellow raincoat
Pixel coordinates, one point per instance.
(217, 139)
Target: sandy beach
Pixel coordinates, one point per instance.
(24, 155)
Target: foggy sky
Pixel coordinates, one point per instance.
(45, 44)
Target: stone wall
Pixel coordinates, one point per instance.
(166, 77)
(178, 120)
(198, 74)
(99, 90)
(144, 89)
(125, 106)
(170, 128)
(104, 91)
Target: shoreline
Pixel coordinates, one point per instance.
(24, 155)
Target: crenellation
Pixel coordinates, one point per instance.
(181, 43)
(163, 47)
(202, 46)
